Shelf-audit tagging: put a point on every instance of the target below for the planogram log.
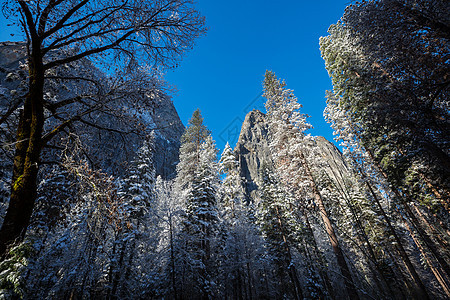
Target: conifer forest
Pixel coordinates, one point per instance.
(105, 194)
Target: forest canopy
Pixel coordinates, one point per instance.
(106, 195)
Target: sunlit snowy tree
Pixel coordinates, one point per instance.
(244, 257)
(296, 161)
(60, 34)
(387, 108)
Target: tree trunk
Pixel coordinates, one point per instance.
(362, 236)
(117, 272)
(403, 283)
(436, 232)
(421, 290)
(292, 272)
(426, 238)
(172, 259)
(441, 278)
(318, 256)
(413, 219)
(250, 286)
(349, 284)
(26, 158)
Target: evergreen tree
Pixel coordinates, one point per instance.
(137, 192)
(295, 160)
(372, 208)
(199, 224)
(387, 106)
(196, 133)
(197, 182)
(102, 243)
(232, 189)
(64, 32)
(138, 187)
(243, 259)
(281, 229)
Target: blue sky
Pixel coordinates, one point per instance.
(223, 74)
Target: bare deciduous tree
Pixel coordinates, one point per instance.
(119, 33)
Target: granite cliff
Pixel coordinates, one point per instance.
(252, 151)
(108, 151)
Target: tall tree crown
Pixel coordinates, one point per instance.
(196, 131)
(191, 145)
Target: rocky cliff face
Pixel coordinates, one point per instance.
(252, 150)
(169, 132)
(334, 163)
(108, 151)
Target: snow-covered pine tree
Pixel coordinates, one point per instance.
(294, 154)
(197, 184)
(282, 230)
(373, 117)
(195, 134)
(200, 222)
(137, 192)
(243, 257)
(368, 205)
(138, 186)
(232, 188)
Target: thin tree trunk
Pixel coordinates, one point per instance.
(361, 232)
(118, 272)
(239, 286)
(26, 158)
(129, 265)
(250, 287)
(291, 268)
(435, 232)
(422, 233)
(441, 278)
(426, 239)
(172, 259)
(111, 271)
(420, 287)
(93, 244)
(401, 279)
(345, 271)
(319, 256)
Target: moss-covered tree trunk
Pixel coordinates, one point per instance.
(26, 158)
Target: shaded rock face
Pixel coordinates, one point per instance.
(11, 53)
(107, 150)
(252, 151)
(335, 165)
(169, 132)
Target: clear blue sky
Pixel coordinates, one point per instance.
(223, 74)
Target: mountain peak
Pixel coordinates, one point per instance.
(253, 151)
